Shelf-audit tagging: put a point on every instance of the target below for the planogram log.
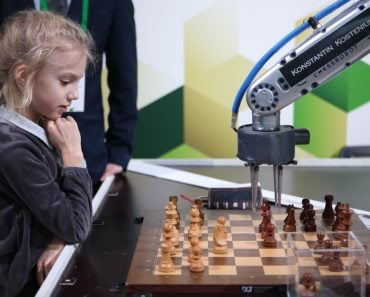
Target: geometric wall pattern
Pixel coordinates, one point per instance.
(160, 126)
(193, 57)
(327, 112)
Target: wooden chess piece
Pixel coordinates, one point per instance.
(344, 221)
(327, 256)
(307, 208)
(290, 222)
(264, 208)
(194, 230)
(170, 212)
(166, 264)
(197, 264)
(168, 235)
(347, 215)
(194, 241)
(269, 239)
(328, 213)
(175, 233)
(220, 236)
(340, 225)
(336, 265)
(267, 216)
(265, 205)
(198, 202)
(174, 200)
(320, 241)
(309, 220)
(307, 285)
(345, 225)
(338, 208)
(305, 201)
(287, 212)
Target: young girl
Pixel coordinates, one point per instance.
(45, 189)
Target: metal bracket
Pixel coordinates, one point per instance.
(69, 281)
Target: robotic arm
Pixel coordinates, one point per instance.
(329, 50)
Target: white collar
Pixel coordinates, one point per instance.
(16, 119)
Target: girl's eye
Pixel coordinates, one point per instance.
(64, 82)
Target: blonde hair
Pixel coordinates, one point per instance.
(29, 37)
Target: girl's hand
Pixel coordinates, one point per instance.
(48, 259)
(64, 135)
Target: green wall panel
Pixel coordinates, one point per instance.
(184, 151)
(160, 126)
(326, 123)
(349, 89)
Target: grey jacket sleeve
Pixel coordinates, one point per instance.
(58, 198)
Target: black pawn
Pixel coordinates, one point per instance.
(328, 213)
(336, 265)
(305, 203)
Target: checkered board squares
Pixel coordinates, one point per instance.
(245, 249)
(247, 264)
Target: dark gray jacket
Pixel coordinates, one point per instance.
(39, 199)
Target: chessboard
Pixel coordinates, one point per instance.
(248, 268)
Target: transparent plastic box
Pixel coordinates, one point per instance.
(332, 266)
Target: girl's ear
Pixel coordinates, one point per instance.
(20, 75)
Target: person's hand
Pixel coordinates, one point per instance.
(64, 135)
(111, 169)
(47, 259)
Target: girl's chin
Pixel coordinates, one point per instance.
(53, 117)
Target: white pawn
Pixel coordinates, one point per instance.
(166, 264)
(175, 233)
(168, 235)
(197, 264)
(194, 241)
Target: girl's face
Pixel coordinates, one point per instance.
(56, 84)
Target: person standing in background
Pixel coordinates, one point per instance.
(112, 26)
